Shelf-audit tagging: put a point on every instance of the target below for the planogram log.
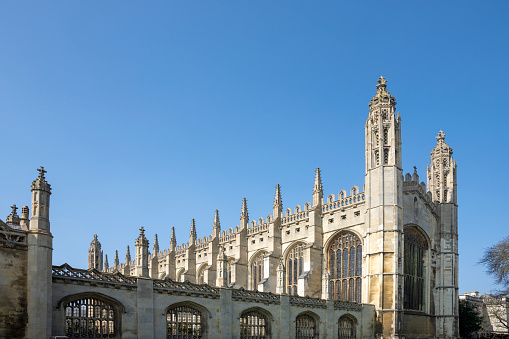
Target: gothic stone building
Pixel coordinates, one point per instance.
(381, 262)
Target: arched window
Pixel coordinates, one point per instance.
(345, 267)
(346, 328)
(254, 325)
(294, 268)
(257, 270)
(180, 275)
(90, 317)
(415, 247)
(201, 275)
(184, 322)
(229, 267)
(305, 327)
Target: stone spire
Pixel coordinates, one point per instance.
(192, 235)
(277, 209)
(95, 255)
(442, 172)
(155, 249)
(13, 218)
(216, 229)
(173, 240)
(244, 216)
(128, 256)
(106, 264)
(116, 262)
(317, 188)
(41, 192)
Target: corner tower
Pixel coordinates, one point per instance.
(39, 275)
(95, 255)
(384, 210)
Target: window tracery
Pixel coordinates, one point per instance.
(346, 328)
(90, 318)
(254, 325)
(415, 247)
(345, 267)
(305, 327)
(294, 268)
(257, 270)
(184, 322)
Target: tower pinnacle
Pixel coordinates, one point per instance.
(244, 213)
(155, 249)
(192, 235)
(216, 229)
(278, 203)
(173, 240)
(317, 188)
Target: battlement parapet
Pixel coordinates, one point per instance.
(343, 201)
(225, 237)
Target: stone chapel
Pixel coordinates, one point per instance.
(380, 261)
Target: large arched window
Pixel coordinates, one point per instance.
(91, 317)
(254, 325)
(294, 268)
(184, 322)
(305, 327)
(345, 267)
(229, 268)
(346, 327)
(415, 248)
(257, 270)
(201, 275)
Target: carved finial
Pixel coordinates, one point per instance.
(440, 136)
(41, 172)
(142, 231)
(106, 264)
(278, 202)
(193, 236)
(415, 169)
(382, 95)
(14, 209)
(173, 237)
(116, 262)
(156, 246)
(244, 214)
(318, 181)
(95, 236)
(216, 219)
(127, 256)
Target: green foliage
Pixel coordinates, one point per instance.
(496, 260)
(470, 320)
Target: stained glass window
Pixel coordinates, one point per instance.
(345, 267)
(295, 268)
(415, 247)
(257, 270)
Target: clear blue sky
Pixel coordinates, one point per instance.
(151, 113)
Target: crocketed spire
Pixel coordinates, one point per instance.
(192, 235)
(244, 214)
(156, 246)
(317, 188)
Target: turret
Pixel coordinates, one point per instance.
(41, 192)
(13, 218)
(95, 255)
(384, 209)
(216, 229)
(244, 216)
(442, 172)
(277, 209)
(141, 260)
(39, 278)
(25, 218)
(317, 189)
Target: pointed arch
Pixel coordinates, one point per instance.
(256, 268)
(415, 248)
(186, 320)
(294, 259)
(256, 323)
(347, 327)
(307, 325)
(200, 275)
(344, 266)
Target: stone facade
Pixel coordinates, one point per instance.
(378, 262)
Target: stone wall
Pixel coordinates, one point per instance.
(13, 290)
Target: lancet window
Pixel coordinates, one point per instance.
(257, 270)
(229, 267)
(346, 328)
(305, 327)
(415, 248)
(201, 275)
(254, 325)
(345, 267)
(184, 322)
(90, 318)
(294, 268)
